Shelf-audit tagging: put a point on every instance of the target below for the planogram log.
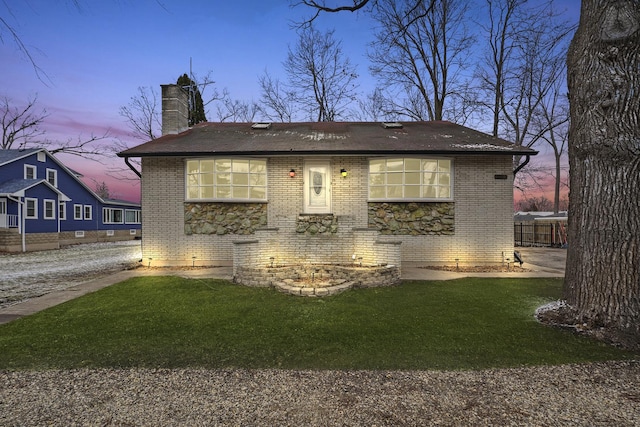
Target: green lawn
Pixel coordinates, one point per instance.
(173, 322)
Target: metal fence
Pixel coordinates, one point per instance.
(534, 233)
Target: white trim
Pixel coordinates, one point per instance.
(108, 215)
(26, 208)
(78, 212)
(322, 167)
(87, 209)
(30, 167)
(137, 214)
(41, 156)
(53, 206)
(62, 211)
(55, 177)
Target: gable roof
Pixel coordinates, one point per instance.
(333, 138)
(11, 155)
(17, 187)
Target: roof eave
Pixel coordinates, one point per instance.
(280, 153)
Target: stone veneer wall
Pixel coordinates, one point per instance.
(413, 218)
(317, 224)
(224, 218)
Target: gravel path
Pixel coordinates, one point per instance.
(600, 394)
(32, 274)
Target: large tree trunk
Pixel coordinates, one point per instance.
(602, 282)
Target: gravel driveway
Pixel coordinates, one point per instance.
(32, 274)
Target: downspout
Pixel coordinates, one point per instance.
(126, 160)
(523, 164)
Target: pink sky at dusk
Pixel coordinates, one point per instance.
(95, 57)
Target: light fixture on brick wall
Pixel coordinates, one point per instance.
(343, 172)
(292, 173)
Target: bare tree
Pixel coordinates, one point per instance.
(420, 50)
(20, 124)
(278, 102)
(603, 272)
(21, 128)
(142, 114)
(524, 61)
(553, 120)
(323, 80)
(234, 110)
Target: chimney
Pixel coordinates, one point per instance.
(175, 109)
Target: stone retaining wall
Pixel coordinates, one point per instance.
(317, 280)
(412, 218)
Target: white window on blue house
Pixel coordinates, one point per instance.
(42, 157)
(62, 210)
(77, 212)
(49, 209)
(52, 177)
(132, 216)
(411, 179)
(88, 212)
(225, 179)
(30, 172)
(112, 216)
(31, 206)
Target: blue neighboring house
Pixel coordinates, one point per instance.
(45, 205)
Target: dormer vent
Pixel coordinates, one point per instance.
(392, 125)
(261, 125)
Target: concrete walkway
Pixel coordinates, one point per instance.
(548, 263)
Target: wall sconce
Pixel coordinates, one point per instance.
(292, 173)
(343, 172)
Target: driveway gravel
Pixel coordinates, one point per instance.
(32, 274)
(599, 394)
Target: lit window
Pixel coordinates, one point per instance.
(410, 179)
(226, 179)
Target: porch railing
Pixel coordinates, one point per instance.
(8, 221)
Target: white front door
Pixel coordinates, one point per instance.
(317, 186)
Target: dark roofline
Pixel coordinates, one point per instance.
(327, 138)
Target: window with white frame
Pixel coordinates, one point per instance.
(49, 209)
(401, 179)
(112, 216)
(31, 206)
(226, 179)
(77, 212)
(42, 157)
(30, 172)
(88, 212)
(132, 216)
(52, 177)
(62, 210)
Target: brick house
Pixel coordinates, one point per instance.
(339, 193)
